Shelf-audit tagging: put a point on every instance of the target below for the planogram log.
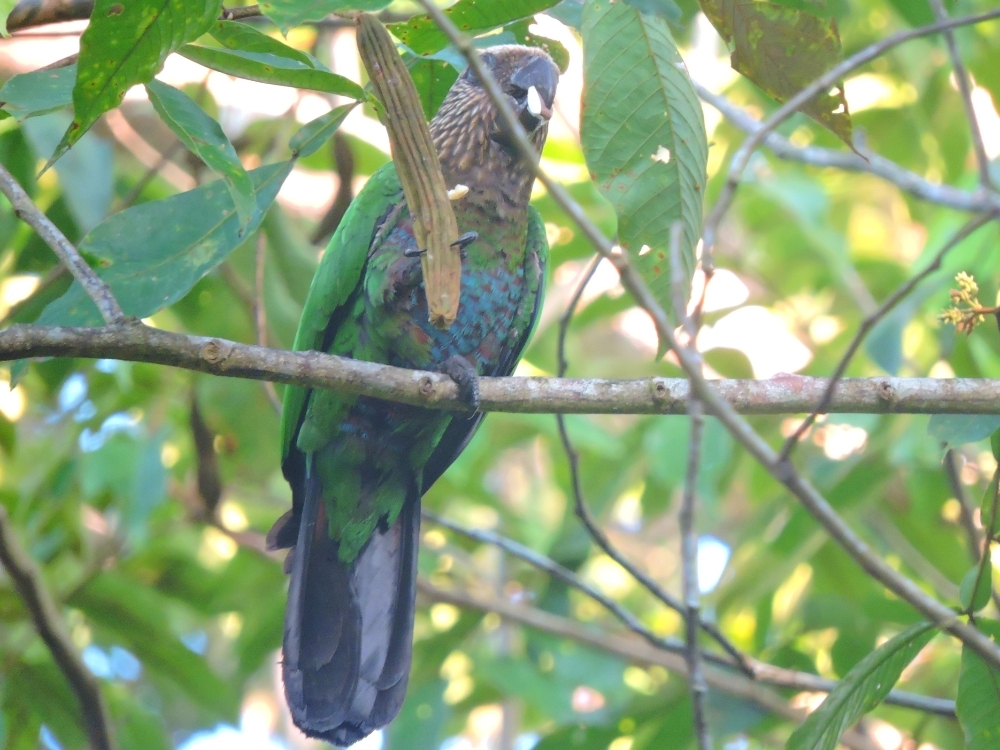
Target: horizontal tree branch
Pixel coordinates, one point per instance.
(870, 162)
(790, 394)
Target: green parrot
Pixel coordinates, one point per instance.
(358, 466)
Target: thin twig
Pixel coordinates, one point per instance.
(583, 512)
(742, 156)
(689, 500)
(783, 471)
(48, 622)
(871, 320)
(962, 78)
(151, 173)
(870, 162)
(639, 651)
(966, 511)
(92, 284)
(570, 578)
(260, 315)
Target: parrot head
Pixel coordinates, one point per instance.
(467, 129)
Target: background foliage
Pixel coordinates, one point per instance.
(142, 491)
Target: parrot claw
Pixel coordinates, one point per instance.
(459, 369)
(464, 241)
(413, 252)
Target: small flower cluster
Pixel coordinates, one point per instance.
(966, 311)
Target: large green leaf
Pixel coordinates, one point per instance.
(422, 35)
(126, 44)
(38, 92)
(643, 136)
(157, 251)
(204, 137)
(978, 704)
(289, 13)
(783, 49)
(861, 690)
(977, 585)
(270, 68)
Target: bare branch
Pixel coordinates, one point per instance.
(829, 79)
(872, 163)
(570, 578)
(638, 651)
(785, 395)
(92, 284)
(871, 320)
(952, 469)
(30, 13)
(48, 622)
(962, 77)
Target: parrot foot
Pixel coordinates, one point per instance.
(459, 369)
(464, 241)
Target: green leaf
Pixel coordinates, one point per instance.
(125, 44)
(204, 138)
(782, 50)
(861, 690)
(665, 9)
(289, 13)
(271, 68)
(977, 585)
(38, 92)
(995, 444)
(316, 132)
(523, 35)
(422, 35)
(433, 76)
(978, 704)
(244, 38)
(158, 250)
(85, 174)
(643, 136)
(957, 429)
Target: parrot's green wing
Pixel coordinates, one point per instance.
(338, 275)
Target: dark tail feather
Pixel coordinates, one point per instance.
(348, 628)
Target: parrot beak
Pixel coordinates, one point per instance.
(538, 78)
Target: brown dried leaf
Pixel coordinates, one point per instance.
(782, 50)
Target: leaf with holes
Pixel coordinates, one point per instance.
(125, 44)
(978, 704)
(643, 137)
(270, 68)
(782, 50)
(204, 138)
(155, 252)
(289, 13)
(422, 35)
(863, 688)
